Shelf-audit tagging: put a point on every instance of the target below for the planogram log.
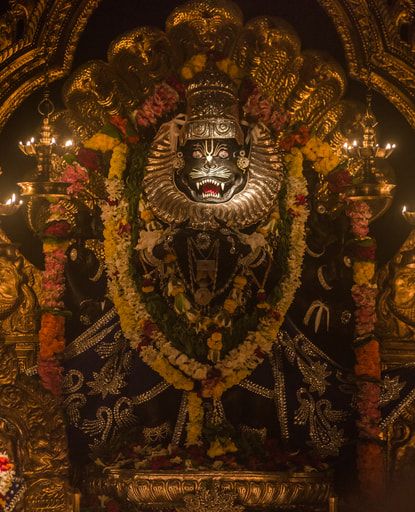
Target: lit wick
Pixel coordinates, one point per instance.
(12, 200)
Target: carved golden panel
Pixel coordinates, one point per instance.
(47, 31)
(378, 40)
(32, 433)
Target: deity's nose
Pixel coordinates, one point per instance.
(209, 164)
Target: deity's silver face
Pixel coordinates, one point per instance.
(210, 173)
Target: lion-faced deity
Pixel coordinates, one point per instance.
(214, 170)
(206, 169)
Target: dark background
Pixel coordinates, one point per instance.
(316, 31)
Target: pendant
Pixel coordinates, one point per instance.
(203, 296)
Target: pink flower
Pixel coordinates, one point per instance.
(50, 372)
(260, 108)
(76, 175)
(164, 100)
(124, 227)
(58, 228)
(53, 279)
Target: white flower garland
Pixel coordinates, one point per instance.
(161, 355)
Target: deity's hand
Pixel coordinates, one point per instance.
(86, 284)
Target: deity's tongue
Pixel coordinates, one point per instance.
(211, 188)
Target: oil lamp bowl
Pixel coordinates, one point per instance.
(409, 217)
(44, 188)
(377, 195)
(9, 209)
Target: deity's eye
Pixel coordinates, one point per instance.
(197, 154)
(223, 153)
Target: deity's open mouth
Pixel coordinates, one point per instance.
(210, 188)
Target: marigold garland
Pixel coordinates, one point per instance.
(138, 326)
(370, 463)
(174, 366)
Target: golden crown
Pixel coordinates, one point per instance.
(212, 107)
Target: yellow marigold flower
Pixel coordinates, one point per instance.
(229, 67)
(118, 161)
(195, 405)
(363, 272)
(230, 446)
(230, 305)
(101, 142)
(193, 433)
(187, 73)
(320, 167)
(219, 447)
(147, 215)
(216, 336)
(294, 162)
(198, 61)
(240, 282)
(52, 246)
(215, 449)
(334, 161)
(310, 149)
(195, 64)
(263, 305)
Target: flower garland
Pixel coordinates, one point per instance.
(137, 324)
(176, 367)
(157, 351)
(55, 239)
(52, 330)
(163, 101)
(370, 462)
(7, 475)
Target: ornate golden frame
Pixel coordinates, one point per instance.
(378, 38)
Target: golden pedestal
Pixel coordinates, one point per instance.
(213, 490)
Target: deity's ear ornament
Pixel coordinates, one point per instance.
(212, 113)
